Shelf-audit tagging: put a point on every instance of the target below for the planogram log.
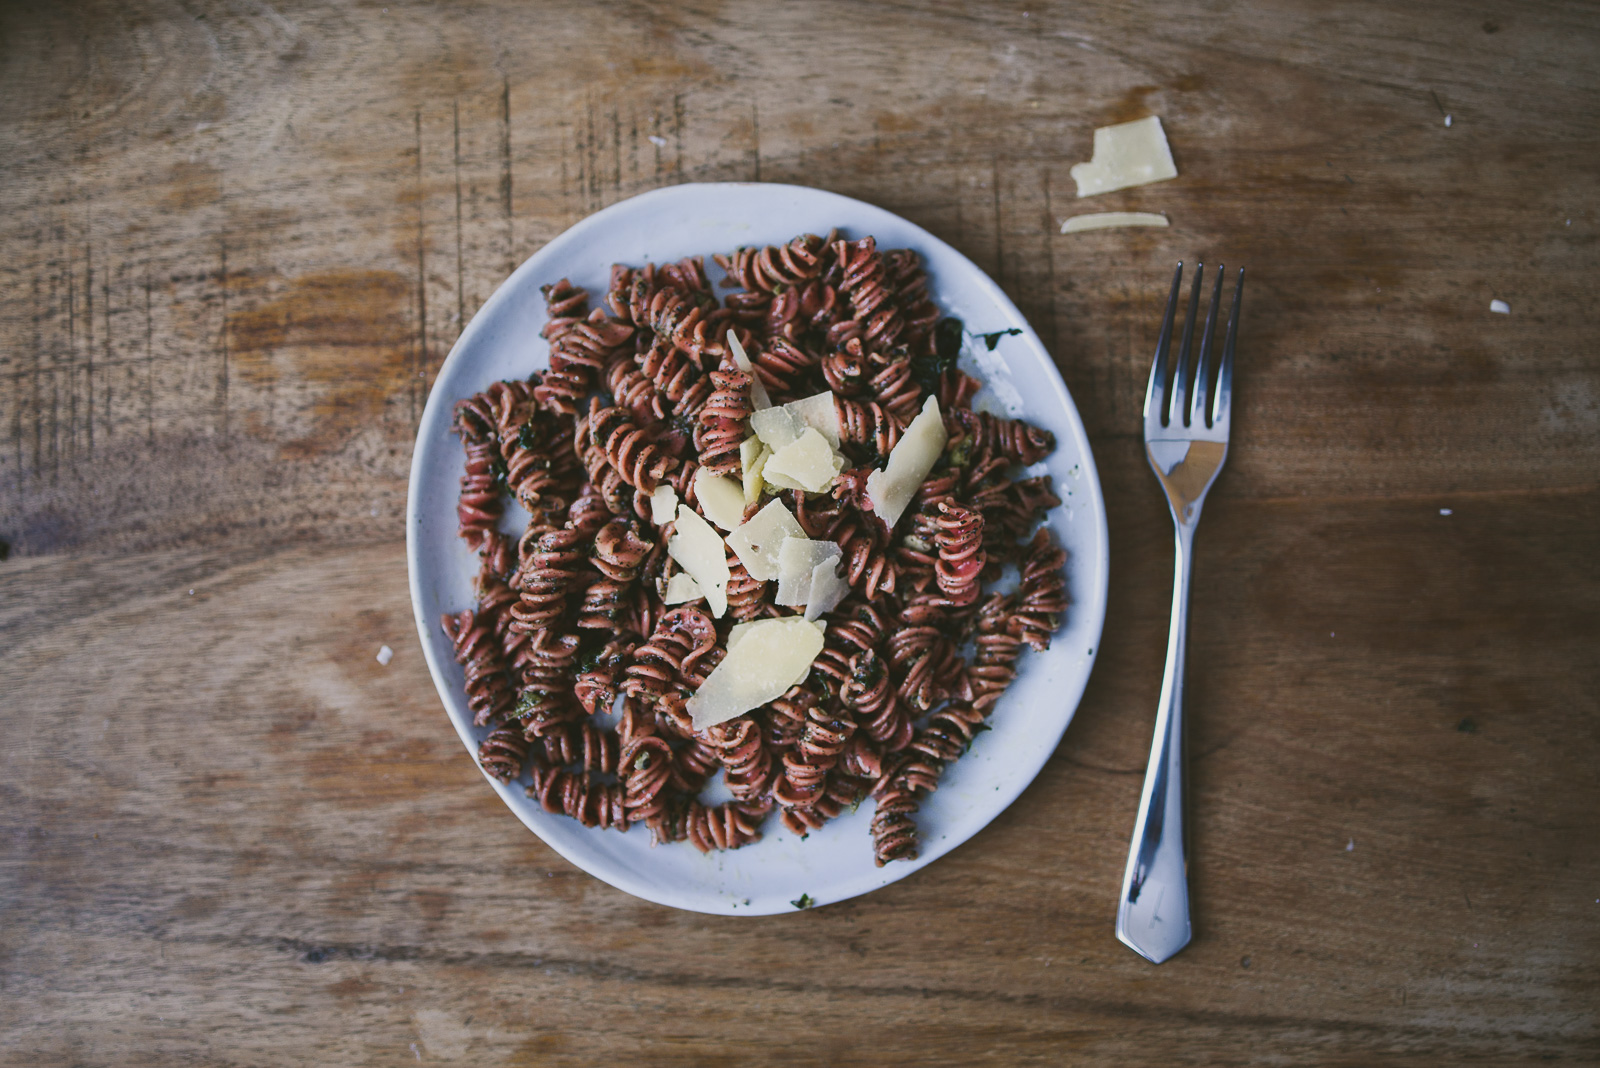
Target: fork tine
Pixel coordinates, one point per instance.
(1180, 372)
(1200, 410)
(1220, 409)
(1155, 395)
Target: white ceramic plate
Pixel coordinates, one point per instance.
(835, 863)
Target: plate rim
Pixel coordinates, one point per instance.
(1097, 588)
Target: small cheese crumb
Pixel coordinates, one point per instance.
(768, 658)
(918, 449)
(663, 505)
(758, 541)
(758, 390)
(720, 497)
(700, 551)
(1128, 154)
(805, 463)
(1500, 306)
(1107, 220)
(682, 587)
(385, 654)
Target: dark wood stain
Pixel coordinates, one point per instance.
(343, 334)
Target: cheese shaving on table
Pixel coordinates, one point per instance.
(1108, 220)
(1128, 154)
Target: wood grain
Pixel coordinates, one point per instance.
(240, 240)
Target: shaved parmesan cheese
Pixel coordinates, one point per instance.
(818, 411)
(807, 461)
(1128, 154)
(777, 481)
(736, 635)
(757, 542)
(1107, 220)
(682, 587)
(758, 391)
(753, 455)
(828, 587)
(776, 427)
(699, 551)
(797, 559)
(770, 656)
(720, 497)
(663, 505)
(918, 449)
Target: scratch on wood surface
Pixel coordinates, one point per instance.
(55, 391)
(16, 421)
(420, 345)
(1048, 230)
(633, 146)
(222, 377)
(581, 139)
(591, 159)
(616, 150)
(461, 298)
(958, 199)
(149, 359)
(755, 137)
(505, 172)
(999, 241)
(72, 359)
(105, 312)
(656, 140)
(88, 346)
(677, 132)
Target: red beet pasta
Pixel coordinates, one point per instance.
(575, 661)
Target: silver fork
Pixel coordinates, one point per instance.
(1186, 441)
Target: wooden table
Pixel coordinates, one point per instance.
(240, 239)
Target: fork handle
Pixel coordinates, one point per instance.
(1153, 912)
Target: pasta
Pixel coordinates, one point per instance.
(582, 671)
